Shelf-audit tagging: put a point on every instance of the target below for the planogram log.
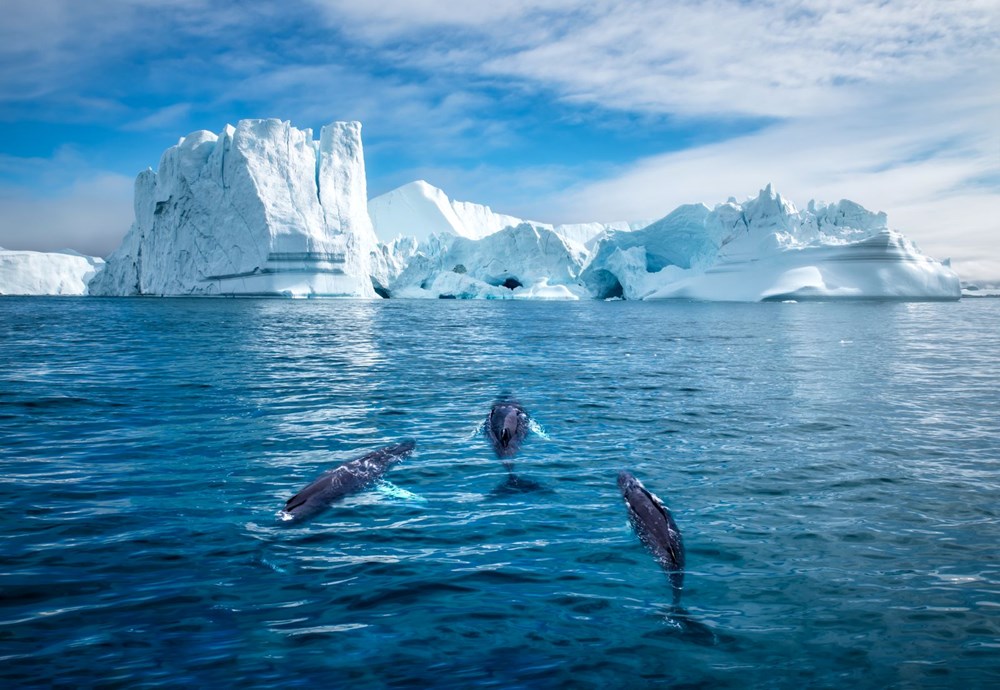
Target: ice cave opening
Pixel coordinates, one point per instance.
(380, 289)
(606, 285)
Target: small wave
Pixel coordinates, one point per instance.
(478, 429)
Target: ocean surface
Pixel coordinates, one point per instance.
(834, 469)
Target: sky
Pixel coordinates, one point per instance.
(555, 110)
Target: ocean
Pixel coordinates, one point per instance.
(834, 469)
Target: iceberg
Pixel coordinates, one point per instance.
(46, 273)
(524, 260)
(764, 249)
(258, 209)
(420, 210)
(264, 209)
(759, 250)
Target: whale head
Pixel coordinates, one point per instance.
(627, 483)
(507, 427)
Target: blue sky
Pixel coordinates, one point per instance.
(556, 110)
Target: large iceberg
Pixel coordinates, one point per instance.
(263, 209)
(46, 273)
(764, 249)
(259, 209)
(761, 249)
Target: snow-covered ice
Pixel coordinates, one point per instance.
(259, 209)
(264, 209)
(420, 210)
(524, 260)
(764, 249)
(46, 273)
(761, 249)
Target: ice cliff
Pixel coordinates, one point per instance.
(259, 209)
(46, 273)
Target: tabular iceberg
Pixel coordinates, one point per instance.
(259, 209)
(46, 273)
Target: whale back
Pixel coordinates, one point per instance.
(506, 428)
(655, 527)
(352, 476)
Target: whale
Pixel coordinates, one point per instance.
(353, 476)
(506, 428)
(656, 529)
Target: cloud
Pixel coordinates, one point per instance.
(162, 118)
(778, 58)
(893, 105)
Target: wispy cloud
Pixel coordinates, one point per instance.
(891, 104)
(781, 58)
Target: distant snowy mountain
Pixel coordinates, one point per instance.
(259, 209)
(46, 273)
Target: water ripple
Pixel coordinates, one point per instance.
(834, 469)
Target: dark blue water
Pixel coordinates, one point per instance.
(835, 470)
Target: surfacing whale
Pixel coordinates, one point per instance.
(350, 477)
(656, 529)
(506, 428)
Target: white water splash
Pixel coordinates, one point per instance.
(538, 430)
(392, 491)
